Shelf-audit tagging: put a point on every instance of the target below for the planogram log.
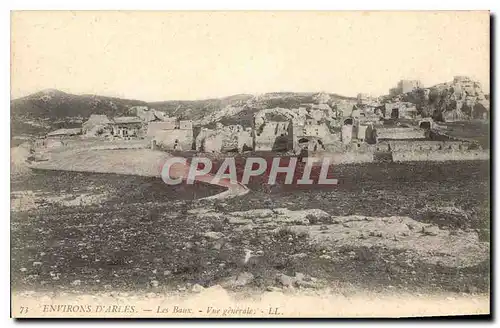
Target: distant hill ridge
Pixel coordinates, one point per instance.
(49, 109)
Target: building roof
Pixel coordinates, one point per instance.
(127, 119)
(65, 132)
(410, 109)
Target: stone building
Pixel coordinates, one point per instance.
(224, 139)
(405, 86)
(172, 134)
(318, 132)
(400, 109)
(362, 98)
(97, 125)
(127, 127)
(273, 136)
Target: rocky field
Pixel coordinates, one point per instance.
(417, 227)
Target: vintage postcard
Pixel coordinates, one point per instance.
(250, 164)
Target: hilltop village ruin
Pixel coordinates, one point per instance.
(374, 127)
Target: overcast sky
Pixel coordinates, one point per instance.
(155, 56)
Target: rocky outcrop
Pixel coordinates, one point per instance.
(460, 99)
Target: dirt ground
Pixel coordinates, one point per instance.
(135, 233)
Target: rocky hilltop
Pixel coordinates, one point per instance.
(460, 99)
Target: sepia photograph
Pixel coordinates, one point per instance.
(250, 164)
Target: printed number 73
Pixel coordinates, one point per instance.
(24, 310)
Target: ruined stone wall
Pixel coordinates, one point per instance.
(400, 133)
(168, 124)
(245, 140)
(429, 145)
(318, 130)
(347, 133)
(273, 134)
(229, 136)
(443, 155)
(349, 157)
(361, 132)
(406, 86)
(186, 125)
(224, 138)
(200, 138)
(176, 139)
(155, 127)
(213, 143)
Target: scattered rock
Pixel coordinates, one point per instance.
(154, 283)
(37, 264)
(472, 289)
(197, 288)
(281, 211)
(23, 269)
(257, 213)
(167, 273)
(244, 278)
(307, 284)
(285, 280)
(203, 210)
(28, 293)
(239, 220)
(213, 235)
(273, 289)
(299, 255)
(325, 256)
(299, 276)
(76, 283)
(240, 280)
(218, 245)
(430, 230)
(246, 227)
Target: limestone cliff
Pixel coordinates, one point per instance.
(460, 99)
